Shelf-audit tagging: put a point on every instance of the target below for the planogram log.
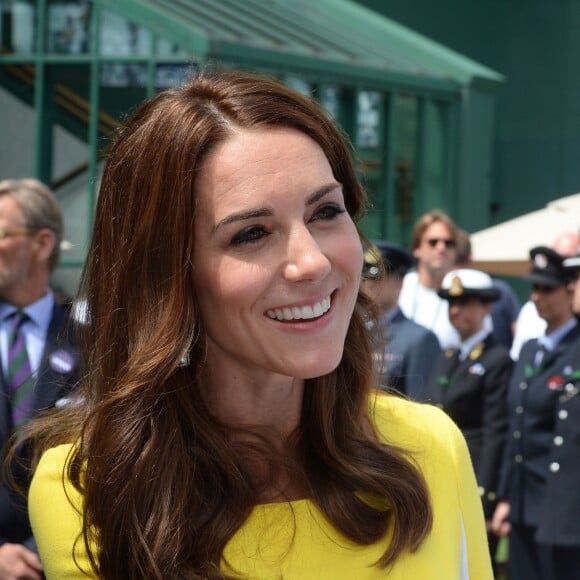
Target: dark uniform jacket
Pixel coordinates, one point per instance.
(559, 521)
(473, 393)
(538, 411)
(405, 353)
(58, 373)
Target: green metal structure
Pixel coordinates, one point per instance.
(420, 116)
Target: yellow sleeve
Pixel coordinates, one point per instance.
(54, 506)
(471, 508)
(440, 451)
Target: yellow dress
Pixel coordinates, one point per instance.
(293, 541)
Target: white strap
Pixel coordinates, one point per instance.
(464, 564)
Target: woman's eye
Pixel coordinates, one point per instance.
(328, 212)
(248, 235)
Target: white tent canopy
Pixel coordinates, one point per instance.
(504, 249)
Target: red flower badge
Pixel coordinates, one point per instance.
(555, 383)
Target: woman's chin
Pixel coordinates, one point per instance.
(319, 367)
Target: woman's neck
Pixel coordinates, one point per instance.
(263, 409)
(263, 399)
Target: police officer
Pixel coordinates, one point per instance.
(539, 396)
(405, 351)
(470, 383)
(559, 525)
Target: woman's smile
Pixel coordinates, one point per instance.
(306, 312)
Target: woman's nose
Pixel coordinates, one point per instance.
(306, 259)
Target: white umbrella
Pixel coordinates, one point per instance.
(504, 249)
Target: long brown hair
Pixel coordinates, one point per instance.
(165, 485)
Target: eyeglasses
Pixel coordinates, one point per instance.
(449, 243)
(8, 233)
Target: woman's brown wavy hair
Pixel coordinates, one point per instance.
(165, 484)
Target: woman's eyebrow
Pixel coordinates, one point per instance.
(321, 192)
(268, 211)
(245, 215)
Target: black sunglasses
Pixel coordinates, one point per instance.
(449, 243)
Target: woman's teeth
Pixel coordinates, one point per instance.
(301, 312)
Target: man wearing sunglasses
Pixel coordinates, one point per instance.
(434, 242)
(536, 393)
(38, 364)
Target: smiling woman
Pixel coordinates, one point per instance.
(226, 426)
(273, 243)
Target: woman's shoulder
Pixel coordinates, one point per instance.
(412, 425)
(387, 408)
(50, 472)
(55, 458)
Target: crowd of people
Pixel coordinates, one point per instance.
(254, 390)
(507, 377)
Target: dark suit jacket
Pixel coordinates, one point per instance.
(534, 406)
(473, 393)
(55, 379)
(559, 521)
(405, 353)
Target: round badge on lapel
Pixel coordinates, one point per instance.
(555, 383)
(61, 361)
(477, 369)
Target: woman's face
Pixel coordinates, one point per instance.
(553, 303)
(277, 258)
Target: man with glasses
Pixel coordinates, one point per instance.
(38, 364)
(433, 243)
(535, 394)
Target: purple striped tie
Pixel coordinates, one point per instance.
(19, 380)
